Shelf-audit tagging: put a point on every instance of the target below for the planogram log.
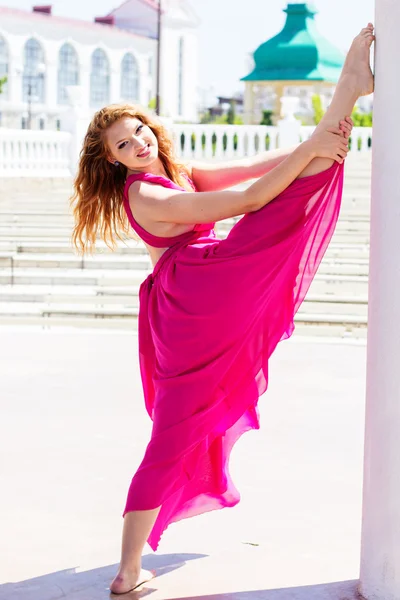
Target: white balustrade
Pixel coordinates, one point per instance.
(205, 142)
(306, 132)
(361, 138)
(27, 153)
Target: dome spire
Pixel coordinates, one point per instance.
(299, 52)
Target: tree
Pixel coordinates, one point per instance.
(267, 117)
(3, 81)
(208, 119)
(230, 117)
(152, 105)
(361, 119)
(317, 107)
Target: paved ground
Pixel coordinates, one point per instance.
(73, 429)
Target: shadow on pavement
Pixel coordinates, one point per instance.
(88, 585)
(340, 590)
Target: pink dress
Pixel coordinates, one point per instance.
(211, 314)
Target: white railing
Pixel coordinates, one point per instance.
(223, 141)
(361, 138)
(26, 153)
(205, 142)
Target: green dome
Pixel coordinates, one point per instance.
(298, 53)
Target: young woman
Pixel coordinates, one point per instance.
(212, 311)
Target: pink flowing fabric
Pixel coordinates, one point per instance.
(211, 314)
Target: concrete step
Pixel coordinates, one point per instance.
(60, 246)
(70, 261)
(55, 247)
(315, 325)
(339, 266)
(21, 237)
(339, 285)
(46, 295)
(122, 311)
(88, 277)
(128, 277)
(127, 297)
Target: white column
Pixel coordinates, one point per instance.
(75, 120)
(289, 126)
(248, 103)
(115, 77)
(380, 554)
(51, 82)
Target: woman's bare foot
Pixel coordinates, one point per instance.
(357, 61)
(126, 580)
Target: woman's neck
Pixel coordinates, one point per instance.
(156, 168)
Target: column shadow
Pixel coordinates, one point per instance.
(338, 590)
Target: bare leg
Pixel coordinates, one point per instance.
(356, 80)
(137, 528)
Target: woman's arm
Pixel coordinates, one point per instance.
(223, 175)
(209, 177)
(152, 203)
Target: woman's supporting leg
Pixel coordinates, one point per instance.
(356, 80)
(137, 528)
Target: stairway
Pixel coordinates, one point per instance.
(43, 283)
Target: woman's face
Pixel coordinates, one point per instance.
(132, 143)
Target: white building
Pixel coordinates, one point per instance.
(112, 60)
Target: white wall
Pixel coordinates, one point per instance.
(52, 33)
(13, 107)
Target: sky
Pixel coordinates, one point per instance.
(231, 30)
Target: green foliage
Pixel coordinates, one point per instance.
(2, 82)
(361, 119)
(317, 108)
(152, 105)
(230, 117)
(207, 119)
(267, 117)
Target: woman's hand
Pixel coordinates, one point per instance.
(329, 144)
(346, 127)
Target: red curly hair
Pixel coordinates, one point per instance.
(97, 201)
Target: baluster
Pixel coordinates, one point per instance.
(219, 152)
(240, 142)
(208, 151)
(198, 150)
(252, 142)
(230, 134)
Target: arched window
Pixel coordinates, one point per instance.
(34, 72)
(129, 78)
(99, 79)
(68, 71)
(3, 66)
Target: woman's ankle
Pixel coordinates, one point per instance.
(130, 566)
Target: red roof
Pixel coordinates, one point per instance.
(37, 16)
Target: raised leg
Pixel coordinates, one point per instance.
(137, 528)
(356, 80)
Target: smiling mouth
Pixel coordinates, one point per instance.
(144, 152)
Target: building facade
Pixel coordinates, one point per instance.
(109, 61)
(297, 62)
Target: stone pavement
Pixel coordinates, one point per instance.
(73, 429)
